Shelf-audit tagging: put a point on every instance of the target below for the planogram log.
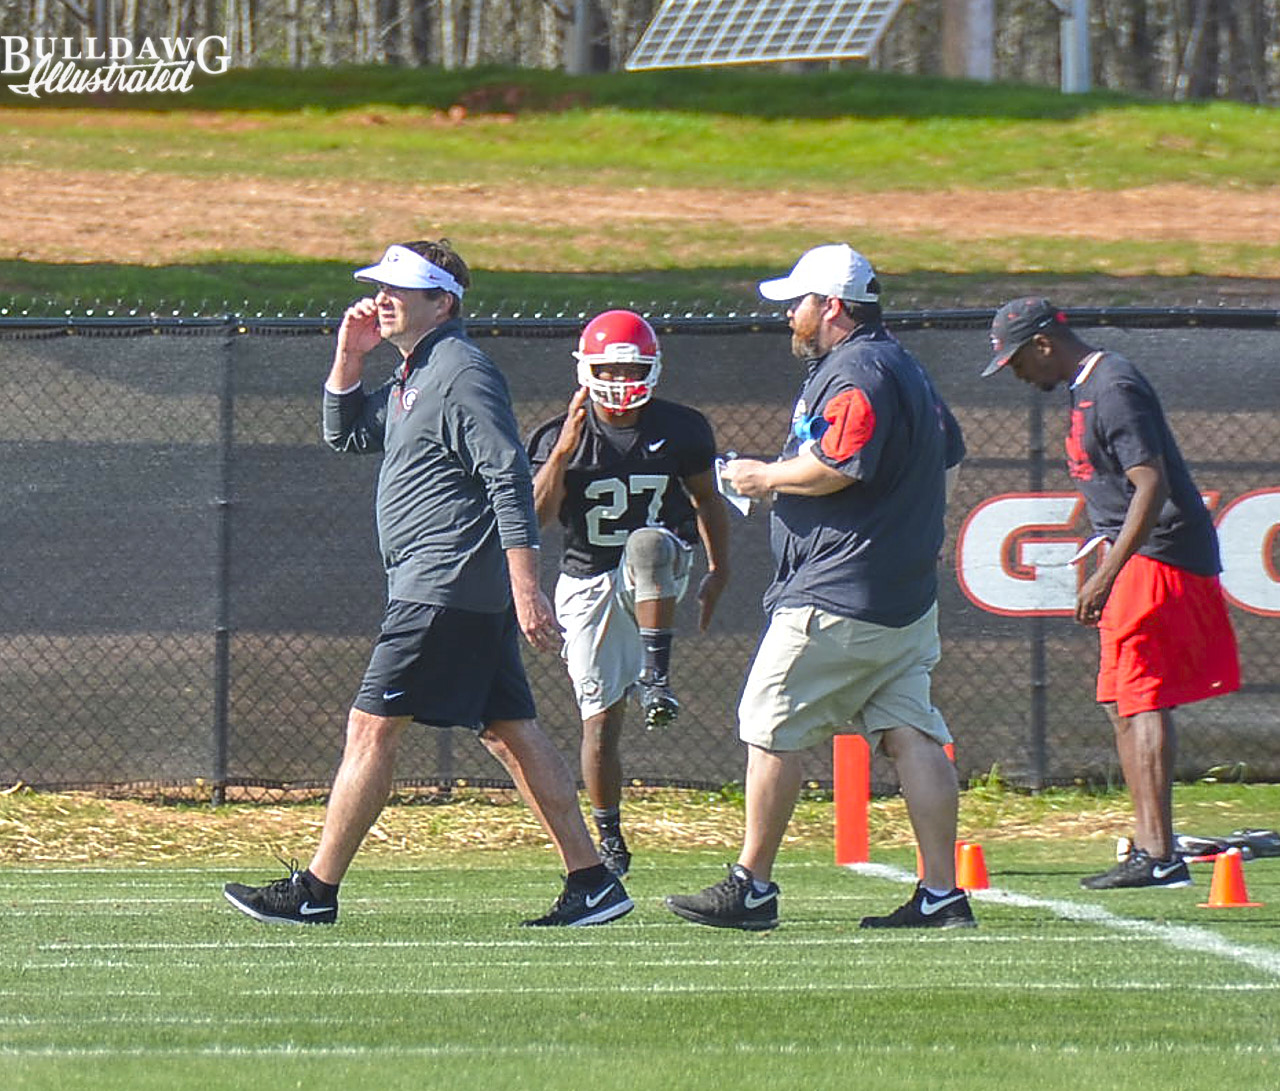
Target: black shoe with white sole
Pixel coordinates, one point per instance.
(577, 906)
(1139, 869)
(734, 902)
(286, 901)
(925, 911)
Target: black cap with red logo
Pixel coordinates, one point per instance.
(1016, 323)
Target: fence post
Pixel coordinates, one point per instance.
(222, 575)
(1039, 667)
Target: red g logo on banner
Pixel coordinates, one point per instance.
(1014, 552)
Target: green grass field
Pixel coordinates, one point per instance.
(143, 977)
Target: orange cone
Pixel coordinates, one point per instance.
(1227, 890)
(972, 871)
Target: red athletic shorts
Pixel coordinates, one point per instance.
(1166, 639)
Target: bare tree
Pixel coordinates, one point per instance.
(1174, 48)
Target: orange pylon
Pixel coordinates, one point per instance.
(1227, 889)
(851, 758)
(971, 874)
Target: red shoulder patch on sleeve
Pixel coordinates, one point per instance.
(852, 423)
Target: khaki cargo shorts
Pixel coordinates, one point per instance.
(818, 674)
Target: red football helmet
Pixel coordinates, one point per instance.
(618, 337)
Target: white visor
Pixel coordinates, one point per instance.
(400, 267)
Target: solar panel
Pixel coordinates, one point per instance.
(686, 33)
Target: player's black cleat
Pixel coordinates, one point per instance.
(925, 911)
(284, 901)
(577, 907)
(1138, 869)
(658, 703)
(733, 902)
(614, 855)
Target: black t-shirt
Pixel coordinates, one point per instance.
(870, 550)
(613, 486)
(1117, 423)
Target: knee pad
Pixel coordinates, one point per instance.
(651, 556)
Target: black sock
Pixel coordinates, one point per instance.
(656, 645)
(589, 878)
(608, 820)
(323, 892)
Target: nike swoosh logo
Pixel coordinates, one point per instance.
(656, 444)
(392, 694)
(594, 900)
(929, 908)
(752, 900)
(1163, 872)
(309, 910)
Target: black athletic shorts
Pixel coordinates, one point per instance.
(446, 667)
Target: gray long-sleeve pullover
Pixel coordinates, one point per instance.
(454, 488)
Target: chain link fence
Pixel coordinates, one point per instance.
(189, 584)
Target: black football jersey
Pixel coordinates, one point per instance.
(618, 481)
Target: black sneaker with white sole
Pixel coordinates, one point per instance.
(734, 902)
(1139, 869)
(614, 855)
(925, 911)
(577, 907)
(286, 901)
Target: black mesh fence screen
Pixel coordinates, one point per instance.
(189, 585)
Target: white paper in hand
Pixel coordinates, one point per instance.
(742, 503)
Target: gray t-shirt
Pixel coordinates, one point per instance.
(454, 488)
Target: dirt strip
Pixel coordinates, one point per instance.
(152, 218)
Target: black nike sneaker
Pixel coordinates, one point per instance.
(614, 855)
(925, 911)
(733, 902)
(659, 705)
(285, 901)
(1140, 869)
(577, 907)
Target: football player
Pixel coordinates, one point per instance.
(630, 478)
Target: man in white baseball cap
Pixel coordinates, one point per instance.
(856, 524)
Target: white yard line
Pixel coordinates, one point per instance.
(860, 1049)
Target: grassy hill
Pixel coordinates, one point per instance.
(789, 160)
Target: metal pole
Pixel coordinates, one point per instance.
(1039, 680)
(1073, 32)
(222, 564)
(578, 46)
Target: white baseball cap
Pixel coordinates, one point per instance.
(403, 268)
(836, 270)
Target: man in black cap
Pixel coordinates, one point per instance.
(1154, 596)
